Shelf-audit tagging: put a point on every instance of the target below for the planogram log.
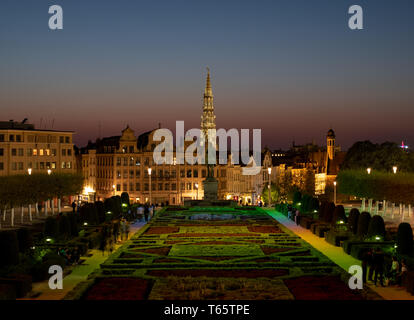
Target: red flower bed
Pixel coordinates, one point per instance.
(250, 273)
(119, 289)
(161, 230)
(320, 288)
(269, 250)
(264, 229)
(163, 251)
(208, 235)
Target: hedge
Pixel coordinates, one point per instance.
(405, 239)
(376, 227)
(24, 189)
(9, 248)
(353, 220)
(363, 224)
(396, 188)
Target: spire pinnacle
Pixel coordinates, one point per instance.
(208, 90)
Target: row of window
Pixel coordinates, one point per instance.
(36, 152)
(161, 187)
(32, 138)
(37, 165)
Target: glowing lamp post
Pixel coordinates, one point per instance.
(196, 185)
(369, 170)
(29, 171)
(394, 169)
(269, 171)
(49, 171)
(150, 186)
(335, 192)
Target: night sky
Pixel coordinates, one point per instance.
(292, 68)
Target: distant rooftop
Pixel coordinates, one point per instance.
(15, 125)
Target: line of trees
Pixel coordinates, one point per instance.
(26, 190)
(397, 188)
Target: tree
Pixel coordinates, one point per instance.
(309, 184)
(274, 193)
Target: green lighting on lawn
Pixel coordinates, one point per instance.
(85, 223)
(299, 204)
(109, 212)
(377, 238)
(315, 211)
(48, 239)
(341, 221)
(124, 205)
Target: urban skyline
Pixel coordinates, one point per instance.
(141, 64)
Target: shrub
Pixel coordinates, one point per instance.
(25, 239)
(64, 227)
(321, 210)
(9, 248)
(405, 239)
(328, 212)
(101, 211)
(338, 215)
(21, 282)
(353, 220)
(314, 204)
(376, 227)
(51, 228)
(297, 197)
(74, 228)
(363, 224)
(125, 198)
(305, 203)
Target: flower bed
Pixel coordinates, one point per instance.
(217, 273)
(320, 288)
(264, 229)
(119, 289)
(161, 230)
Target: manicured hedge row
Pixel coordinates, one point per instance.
(397, 188)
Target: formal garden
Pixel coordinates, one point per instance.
(217, 253)
(358, 232)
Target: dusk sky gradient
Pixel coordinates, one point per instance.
(291, 68)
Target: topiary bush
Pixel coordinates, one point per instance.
(363, 224)
(101, 211)
(314, 205)
(9, 248)
(328, 212)
(64, 227)
(321, 210)
(405, 239)
(338, 215)
(376, 228)
(51, 228)
(25, 239)
(353, 220)
(74, 228)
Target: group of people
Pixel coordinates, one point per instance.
(294, 214)
(71, 256)
(374, 264)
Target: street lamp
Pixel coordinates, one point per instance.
(196, 185)
(394, 169)
(113, 188)
(335, 192)
(49, 171)
(369, 170)
(269, 170)
(150, 186)
(29, 171)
